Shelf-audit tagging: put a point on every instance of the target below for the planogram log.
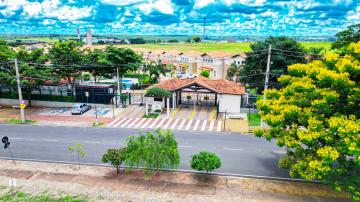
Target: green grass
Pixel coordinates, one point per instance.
(211, 46)
(18, 121)
(97, 124)
(254, 119)
(21, 196)
(151, 116)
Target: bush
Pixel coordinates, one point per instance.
(205, 73)
(205, 161)
(115, 157)
(158, 92)
(156, 150)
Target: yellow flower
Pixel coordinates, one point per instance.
(331, 56)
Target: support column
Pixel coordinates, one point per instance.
(174, 101)
(168, 107)
(146, 106)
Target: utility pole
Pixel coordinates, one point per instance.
(118, 83)
(267, 78)
(267, 70)
(22, 111)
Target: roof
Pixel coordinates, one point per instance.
(218, 86)
(192, 53)
(218, 54)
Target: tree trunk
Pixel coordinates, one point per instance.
(29, 96)
(117, 169)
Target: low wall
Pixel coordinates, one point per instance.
(37, 103)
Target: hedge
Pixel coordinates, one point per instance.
(158, 92)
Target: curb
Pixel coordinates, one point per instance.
(175, 170)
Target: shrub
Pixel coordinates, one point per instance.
(205, 73)
(158, 92)
(115, 157)
(156, 150)
(205, 161)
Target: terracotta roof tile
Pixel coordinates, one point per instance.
(218, 86)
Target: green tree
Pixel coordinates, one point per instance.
(6, 53)
(79, 149)
(205, 73)
(156, 150)
(66, 56)
(115, 157)
(158, 92)
(254, 69)
(234, 72)
(205, 161)
(97, 64)
(315, 117)
(155, 70)
(345, 37)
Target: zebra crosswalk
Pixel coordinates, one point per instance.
(174, 124)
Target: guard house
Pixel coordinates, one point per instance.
(94, 93)
(224, 94)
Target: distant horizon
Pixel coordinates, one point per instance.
(180, 17)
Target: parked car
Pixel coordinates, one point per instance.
(185, 75)
(80, 108)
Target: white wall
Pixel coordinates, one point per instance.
(36, 103)
(230, 103)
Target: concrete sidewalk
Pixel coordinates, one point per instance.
(103, 184)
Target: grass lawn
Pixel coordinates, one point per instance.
(21, 196)
(211, 46)
(254, 119)
(18, 121)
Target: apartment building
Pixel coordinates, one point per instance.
(216, 62)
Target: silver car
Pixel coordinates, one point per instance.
(80, 108)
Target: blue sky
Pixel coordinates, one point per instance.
(184, 17)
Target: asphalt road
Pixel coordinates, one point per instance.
(240, 154)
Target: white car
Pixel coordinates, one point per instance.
(80, 108)
(185, 75)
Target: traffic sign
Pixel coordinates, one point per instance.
(86, 94)
(5, 139)
(22, 106)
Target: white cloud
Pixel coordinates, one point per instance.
(354, 15)
(32, 9)
(163, 6)
(122, 2)
(270, 14)
(203, 3)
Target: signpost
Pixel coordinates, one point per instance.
(87, 97)
(6, 142)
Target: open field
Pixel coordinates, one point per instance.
(207, 47)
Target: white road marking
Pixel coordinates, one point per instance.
(161, 122)
(189, 124)
(48, 140)
(233, 149)
(167, 124)
(120, 122)
(16, 138)
(112, 122)
(185, 146)
(196, 124)
(204, 125)
(132, 123)
(141, 121)
(211, 125)
(146, 123)
(126, 122)
(182, 124)
(279, 152)
(176, 121)
(153, 123)
(93, 142)
(219, 126)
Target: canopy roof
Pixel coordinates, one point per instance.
(216, 86)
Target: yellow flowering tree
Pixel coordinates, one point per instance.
(315, 116)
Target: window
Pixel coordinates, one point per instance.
(156, 99)
(214, 73)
